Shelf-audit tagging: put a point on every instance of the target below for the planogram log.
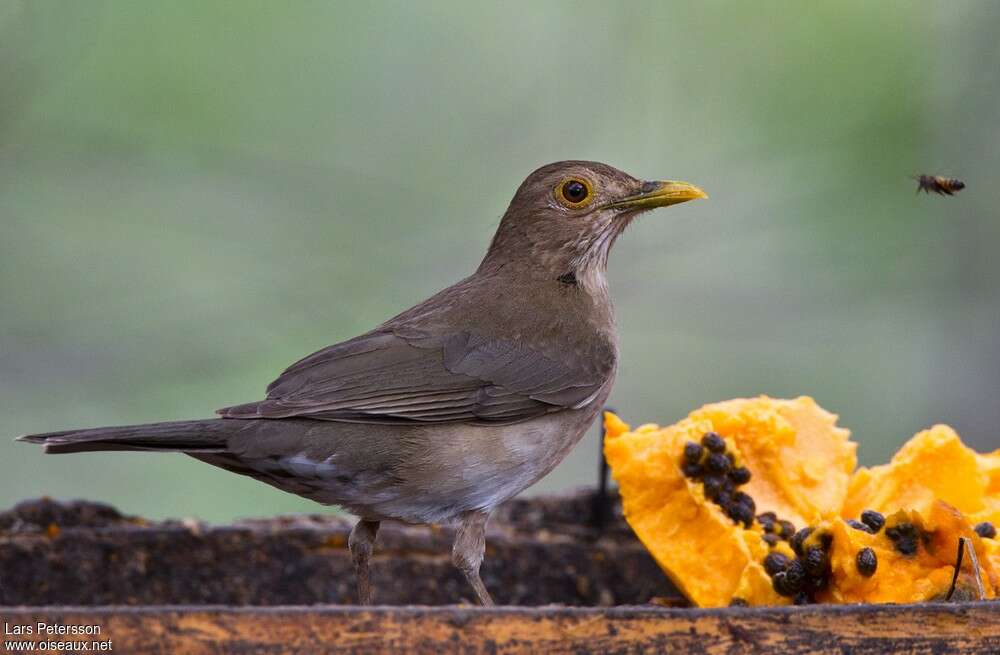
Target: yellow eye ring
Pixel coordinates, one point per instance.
(574, 192)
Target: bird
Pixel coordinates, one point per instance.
(448, 409)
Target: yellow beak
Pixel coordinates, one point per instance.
(660, 194)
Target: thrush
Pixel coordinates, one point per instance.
(458, 403)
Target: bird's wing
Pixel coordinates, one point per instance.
(413, 376)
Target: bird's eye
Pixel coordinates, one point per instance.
(574, 193)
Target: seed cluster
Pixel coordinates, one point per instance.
(712, 464)
(986, 530)
(905, 537)
(806, 575)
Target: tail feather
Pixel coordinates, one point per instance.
(204, 436)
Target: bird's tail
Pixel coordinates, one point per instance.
(204, 436)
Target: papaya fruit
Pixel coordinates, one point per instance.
(685, 500)
(756, 501)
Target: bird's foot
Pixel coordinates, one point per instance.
(468, 552)
(362, 543)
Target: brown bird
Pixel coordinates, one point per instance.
(943, 186)
(455, 405)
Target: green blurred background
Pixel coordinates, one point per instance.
(195, 194)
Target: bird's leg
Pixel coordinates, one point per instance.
(362, 543)
(469, 549)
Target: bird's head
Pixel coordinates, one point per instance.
(565, 217)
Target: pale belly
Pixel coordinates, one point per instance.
(486, 466)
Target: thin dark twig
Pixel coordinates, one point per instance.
(601, 509)
(958, 567)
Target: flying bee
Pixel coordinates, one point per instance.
(945, 186)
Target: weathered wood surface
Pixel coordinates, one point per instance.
(969, 628)
(543, 550)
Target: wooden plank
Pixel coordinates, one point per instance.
(967, 628)
(539, 551)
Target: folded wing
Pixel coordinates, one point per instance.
(415, 376)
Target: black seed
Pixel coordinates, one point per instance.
(771, 539)
(787, 529)
(799, 537)
(779, 581)
(858, 525)
(775, 562)
(746, 500)
(986, 530)
(826, 540)
(740, 475)
(691, 470)
(739, 513)
(873, 520)
(766, 517)
(817, 564)
(692, 452)
(742, 514)
(713, 486)
(717, 463)
(866, 562)
(768, 528)
(803, 598)
(905, 537)
(738, 602)
(795, 575)
(714, 442)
